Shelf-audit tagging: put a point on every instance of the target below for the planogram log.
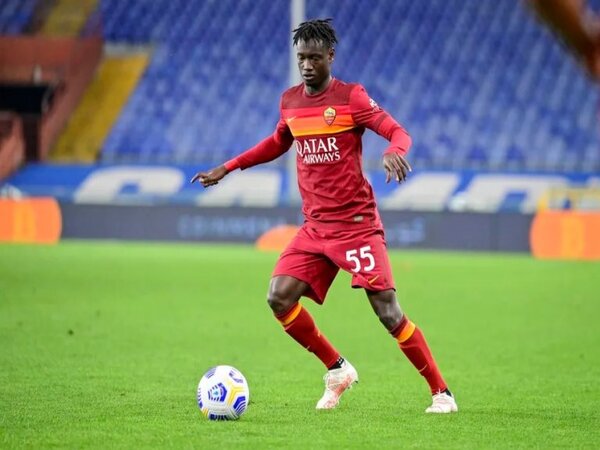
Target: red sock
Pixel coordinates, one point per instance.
(299, 324)
(413, 344)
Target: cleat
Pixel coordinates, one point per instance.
(443, 403)
(337, 381)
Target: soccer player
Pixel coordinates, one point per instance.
(342, 228)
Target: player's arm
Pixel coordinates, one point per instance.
(266, 150)
(567, 19)
(367, 113)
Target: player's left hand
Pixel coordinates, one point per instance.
(396, 166)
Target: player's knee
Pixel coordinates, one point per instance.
(280, 300)
(389, 317)
(387, 309)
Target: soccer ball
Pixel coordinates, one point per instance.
(223, 393)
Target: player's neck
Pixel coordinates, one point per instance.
(314, 90)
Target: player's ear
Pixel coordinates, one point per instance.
(331, 55)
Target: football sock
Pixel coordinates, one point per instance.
(413, 344)
(299, 324)
(337, 364)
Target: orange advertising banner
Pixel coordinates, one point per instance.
(32, 221)
(571, 235)
(277, 239)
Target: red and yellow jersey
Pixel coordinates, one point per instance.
(326, 131)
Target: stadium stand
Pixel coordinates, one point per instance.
(68, 17)
(212, 86)
(100, 107)
(15, 15)
(479, 85)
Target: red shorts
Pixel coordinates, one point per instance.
(315, 257)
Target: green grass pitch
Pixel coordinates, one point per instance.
(103, 344)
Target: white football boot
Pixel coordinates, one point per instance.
(442, 404)
(337, 381)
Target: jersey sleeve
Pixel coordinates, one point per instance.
(266, 150)
(367, 113)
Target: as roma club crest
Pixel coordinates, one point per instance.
(329, 115)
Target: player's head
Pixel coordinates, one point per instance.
(315, 49)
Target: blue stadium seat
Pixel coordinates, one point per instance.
(477, 84)
(15, 15)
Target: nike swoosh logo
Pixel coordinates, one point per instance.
(372, 280)
(290, 119)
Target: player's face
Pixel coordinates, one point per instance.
(314, 63)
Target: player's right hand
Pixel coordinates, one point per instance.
(211, 177)
(396, 166)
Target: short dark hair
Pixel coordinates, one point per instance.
(318, 30)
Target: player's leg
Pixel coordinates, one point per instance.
(284, 295)
(413, 344)
(364, 254)
(283, 298)
(303, 271)
(408, 335)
